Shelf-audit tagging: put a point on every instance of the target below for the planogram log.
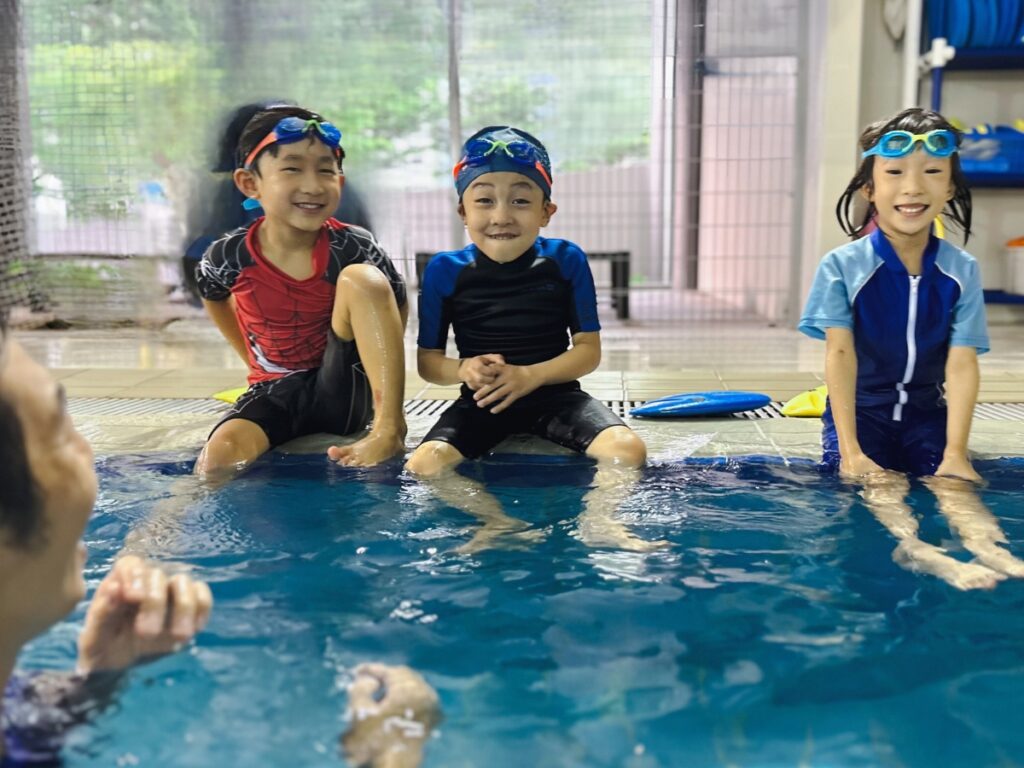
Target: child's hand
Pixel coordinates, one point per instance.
(957, 465)
(510, 383)
(858, 465)
(479, 371)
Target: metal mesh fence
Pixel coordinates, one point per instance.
(17, 288)
(670, 125)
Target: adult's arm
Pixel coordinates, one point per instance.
(137, 614)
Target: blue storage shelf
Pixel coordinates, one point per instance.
(967, 59)
(1002, 297)
(981, 59)
(995, 180)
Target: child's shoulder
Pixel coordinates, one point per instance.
(447, 261)
(555, 247)
(340, 233)
(953, 254)
(570, 258)
(442, 268)
(861, 251)
(231, 245)
(956, 263)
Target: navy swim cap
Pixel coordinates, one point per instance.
(503, 148)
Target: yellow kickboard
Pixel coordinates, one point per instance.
(230, 395)
(807, 404)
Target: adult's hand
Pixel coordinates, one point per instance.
(139, 611)
(392, 710)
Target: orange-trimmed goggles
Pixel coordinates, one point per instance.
(292, 129)
(479, 151)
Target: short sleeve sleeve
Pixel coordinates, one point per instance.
(576, 269)
(219, 268)
(433, 332)
(969, 326)
(828, 303)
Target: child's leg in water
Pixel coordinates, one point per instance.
(976, 526)
(885, 494)
(434, 462)
(620, 454)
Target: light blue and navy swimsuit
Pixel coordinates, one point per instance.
(525, 310)
(903, 326)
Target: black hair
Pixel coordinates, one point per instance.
(226, 159)
(21, 501)
(915, 120)
(263, 123)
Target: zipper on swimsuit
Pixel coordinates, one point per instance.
(908, 374)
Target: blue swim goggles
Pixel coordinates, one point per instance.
(292, 129)
(938, 143)
(479, 151)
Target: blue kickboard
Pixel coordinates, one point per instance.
(701, 404)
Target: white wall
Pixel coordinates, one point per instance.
(862, 83)
(832, 127)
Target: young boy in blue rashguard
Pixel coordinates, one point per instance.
(903, 319)
(514, 300)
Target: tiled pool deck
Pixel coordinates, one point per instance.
(188, 361)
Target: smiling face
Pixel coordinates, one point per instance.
(909, 192)
(503, 213)
(41, 581)
(299, 188)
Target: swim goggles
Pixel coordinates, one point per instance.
(292, 129)
(938, 143)
(479, 151)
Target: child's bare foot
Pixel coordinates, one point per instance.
(998, 559)
(372, 449)
(926, 558)
(509, 533)
(605, 532)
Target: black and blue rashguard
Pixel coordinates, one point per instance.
(903, 326)
(525, 310)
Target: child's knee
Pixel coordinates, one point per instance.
(432, 458)
(619, 445)
(364, 280)
(233, 446)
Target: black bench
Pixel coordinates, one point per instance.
(620, 276)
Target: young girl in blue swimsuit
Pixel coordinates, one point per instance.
(903, 318)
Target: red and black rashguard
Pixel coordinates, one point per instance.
(285, 321)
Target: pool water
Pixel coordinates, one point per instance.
(776, 630)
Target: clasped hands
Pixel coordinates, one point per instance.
(495, 382)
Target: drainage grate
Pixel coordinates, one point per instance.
(771, 411)
(425, 407)
(999, 411)
(986, 411)
(120, 406)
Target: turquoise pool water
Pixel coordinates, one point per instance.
(776, 630)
